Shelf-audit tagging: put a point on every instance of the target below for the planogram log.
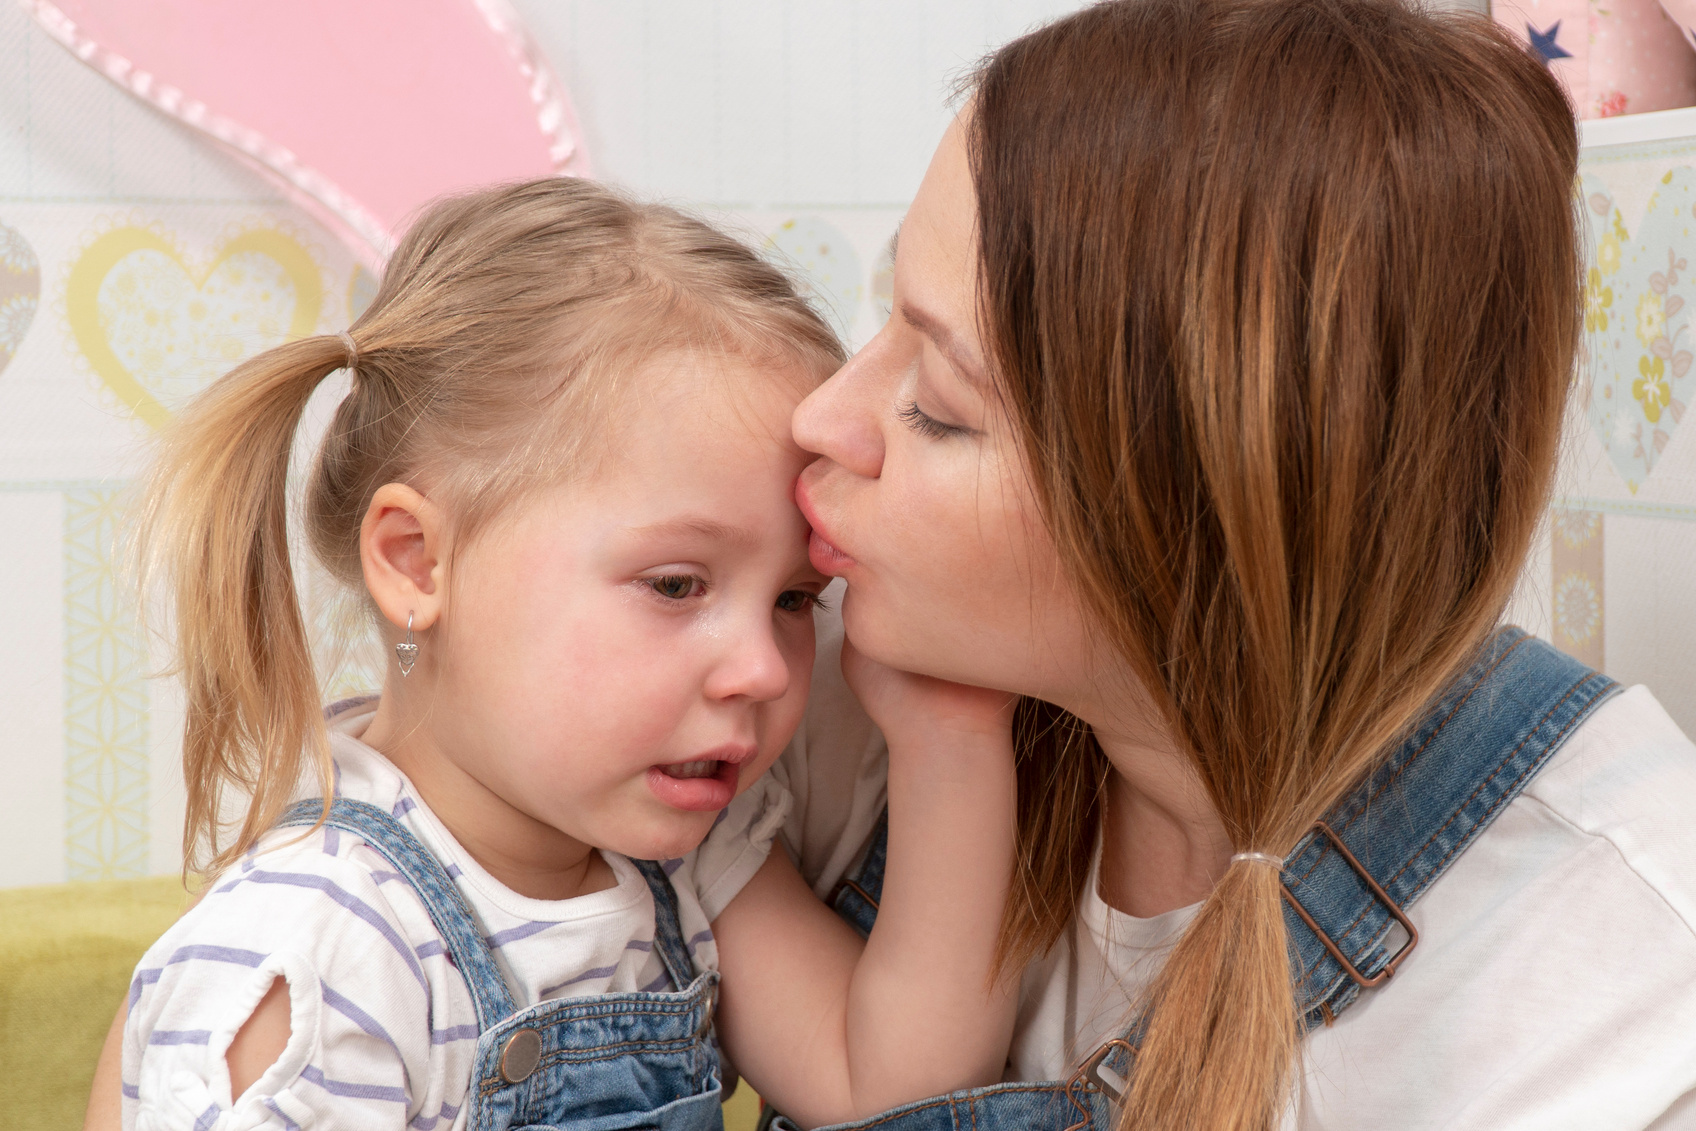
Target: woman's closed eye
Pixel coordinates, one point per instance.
(926, 425)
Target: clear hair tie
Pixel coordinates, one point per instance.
(352, 349)
(1265, 858)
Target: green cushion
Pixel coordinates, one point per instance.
(66, 955)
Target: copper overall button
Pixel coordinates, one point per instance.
(522, 1053)
(709, 1007)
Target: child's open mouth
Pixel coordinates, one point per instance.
(701, 785)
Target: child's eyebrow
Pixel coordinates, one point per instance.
(700, 526)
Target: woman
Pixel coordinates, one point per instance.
(1218, 408)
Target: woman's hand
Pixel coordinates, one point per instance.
(920, 708)
(828, 1030)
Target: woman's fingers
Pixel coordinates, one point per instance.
(898, 700)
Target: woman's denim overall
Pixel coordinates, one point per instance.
(607, 1063)
(1347, 881)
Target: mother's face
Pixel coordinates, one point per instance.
(920, 497)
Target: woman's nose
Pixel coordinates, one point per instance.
(841, 419)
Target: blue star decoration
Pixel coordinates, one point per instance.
(1543, 44)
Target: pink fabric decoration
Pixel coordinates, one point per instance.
(1683, 13)
(363, 110)
(1625, 59)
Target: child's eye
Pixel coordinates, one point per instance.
(799, 601)
(675, 586)
(924, 424)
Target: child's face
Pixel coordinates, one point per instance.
(628, 651)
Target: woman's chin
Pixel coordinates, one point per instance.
(889, 638)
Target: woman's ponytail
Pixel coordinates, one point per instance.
(1219, 1045)
(214, 527)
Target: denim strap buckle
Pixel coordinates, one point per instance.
(1362, 980)
(1095, 1070)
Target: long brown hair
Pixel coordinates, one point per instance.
(1283, 299)
(484, 365)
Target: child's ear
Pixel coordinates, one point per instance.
(403, 551)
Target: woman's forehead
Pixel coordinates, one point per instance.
(936, 261)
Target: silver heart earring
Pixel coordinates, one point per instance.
(406, 654)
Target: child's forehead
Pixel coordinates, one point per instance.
(697, 395)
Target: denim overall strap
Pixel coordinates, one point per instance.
(442, 898)
(1477, 747)
(857, 895)
(668, 930)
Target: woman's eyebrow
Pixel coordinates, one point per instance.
(946, 340)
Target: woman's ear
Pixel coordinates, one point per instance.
(403, 551)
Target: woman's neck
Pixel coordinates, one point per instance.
(1163, 844)
(532, 858)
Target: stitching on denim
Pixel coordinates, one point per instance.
(1578, 716)
(851, 886)
(626, 1007)
(945, 1100)
(1447, 719)
(1471, 833)
(495, 1082)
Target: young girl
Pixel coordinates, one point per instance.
(493, 896)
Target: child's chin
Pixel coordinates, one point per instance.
(674, 835)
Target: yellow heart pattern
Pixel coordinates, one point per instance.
(157, 332)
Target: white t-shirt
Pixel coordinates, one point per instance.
(1554, 984)
(383, 1030)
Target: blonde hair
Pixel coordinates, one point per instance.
(1283, 299)
(484, 363)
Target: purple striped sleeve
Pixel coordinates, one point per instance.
(179, 1036)
(347, 1089)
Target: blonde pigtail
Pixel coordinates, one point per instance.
(214, 529)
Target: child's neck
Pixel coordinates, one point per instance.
(532, 858)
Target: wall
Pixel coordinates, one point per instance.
(136, 263)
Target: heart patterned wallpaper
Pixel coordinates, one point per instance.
(1611, 582)
(137, 263)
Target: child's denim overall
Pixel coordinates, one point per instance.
(1347, 881)
(607, 1063)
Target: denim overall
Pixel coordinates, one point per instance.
(609, 1063)
(1346, 883)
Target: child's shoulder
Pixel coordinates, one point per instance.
(320, 910)
(321, 894)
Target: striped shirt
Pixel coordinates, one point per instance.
(383, 1032)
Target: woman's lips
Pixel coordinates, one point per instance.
(826, 558)
(821, 551)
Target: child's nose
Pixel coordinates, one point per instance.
(752, 668)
